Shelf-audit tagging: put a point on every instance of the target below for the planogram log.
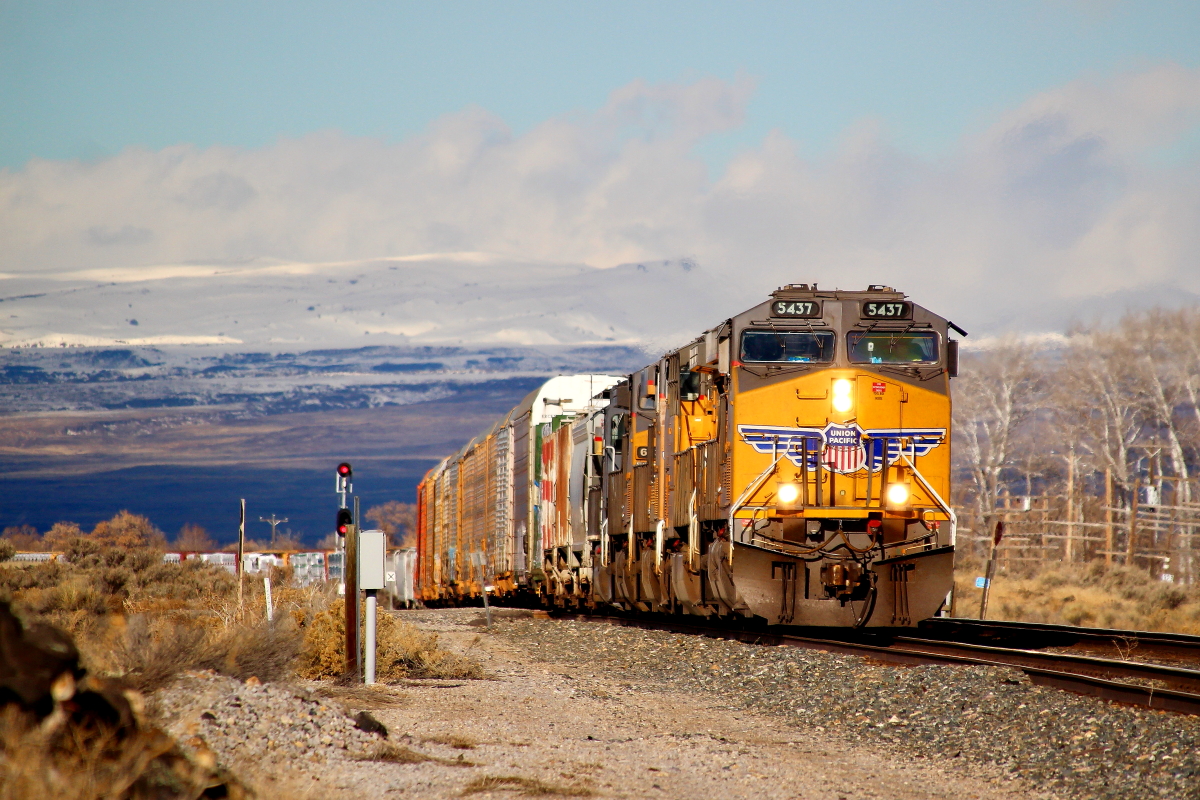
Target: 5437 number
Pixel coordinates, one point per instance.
(888, 310)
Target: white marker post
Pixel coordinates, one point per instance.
(267, 591)
(479, 559)
(372, 552)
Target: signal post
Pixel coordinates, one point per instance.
(347, 526)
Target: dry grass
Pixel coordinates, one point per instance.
(51, 761)
(453, 740)
(394, 754)
(139, 618)
(530, 787)
(1083, 594)
(144, 620)
(404, 651)
(399, 754)
(149, 652)
(359, 696)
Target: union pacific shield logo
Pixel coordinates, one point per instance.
(843, 448)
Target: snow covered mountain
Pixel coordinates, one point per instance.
(467, 298)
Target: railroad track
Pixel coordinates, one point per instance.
(1153, 686)
(1128, 645)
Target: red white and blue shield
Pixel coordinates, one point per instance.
(844, 448)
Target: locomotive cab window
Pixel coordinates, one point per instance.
(616, 433)
(771, 346)
(689, 387)
(882, 347)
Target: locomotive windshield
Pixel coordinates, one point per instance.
(879, 347)
(787, 346)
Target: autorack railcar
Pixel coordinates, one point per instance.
(791, 464)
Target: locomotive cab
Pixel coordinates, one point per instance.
(841, 441)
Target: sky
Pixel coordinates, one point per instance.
(1021, 164)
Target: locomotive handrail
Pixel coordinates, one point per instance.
(937, 498)
(749, 491)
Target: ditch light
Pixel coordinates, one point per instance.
(843, 399)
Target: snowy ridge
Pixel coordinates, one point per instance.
(460, 298)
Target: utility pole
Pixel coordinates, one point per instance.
(273, 522)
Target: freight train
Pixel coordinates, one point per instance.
(789, 466)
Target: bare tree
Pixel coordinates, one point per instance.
(397, 520)
(23, 537)
(994, 399)
(194, 538)
(1103, 401)
(1156, 361)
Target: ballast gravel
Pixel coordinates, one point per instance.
(1063, 744)
(253, 722)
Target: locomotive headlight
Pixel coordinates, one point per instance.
(787, 494)
(787, 498)
(842, 399)
(897, 495)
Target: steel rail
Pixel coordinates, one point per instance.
(1078, 674)
(1040, 634)
(1187, 680)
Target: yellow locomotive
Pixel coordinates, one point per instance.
(791, 464)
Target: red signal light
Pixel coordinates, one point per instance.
(344, 470)
(344, 520)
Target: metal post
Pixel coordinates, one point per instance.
(370, 637)
(868, 444)
(350, 570)
(487, 609)
(267, 594)
(883, 473)
(241, 548)
(804, 468)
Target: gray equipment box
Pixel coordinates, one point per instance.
(371, 558)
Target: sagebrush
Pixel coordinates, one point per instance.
(403, 650)
(1092, 595)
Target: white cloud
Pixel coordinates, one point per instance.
(1059, 204)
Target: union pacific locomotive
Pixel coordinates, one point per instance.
(790, 465)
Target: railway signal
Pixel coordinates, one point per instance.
(345, 520)
(348, 529)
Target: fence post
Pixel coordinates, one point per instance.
(990, 574)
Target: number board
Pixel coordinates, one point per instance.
(805, 309)
(894, 309)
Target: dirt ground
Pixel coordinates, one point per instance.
(539, 729)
